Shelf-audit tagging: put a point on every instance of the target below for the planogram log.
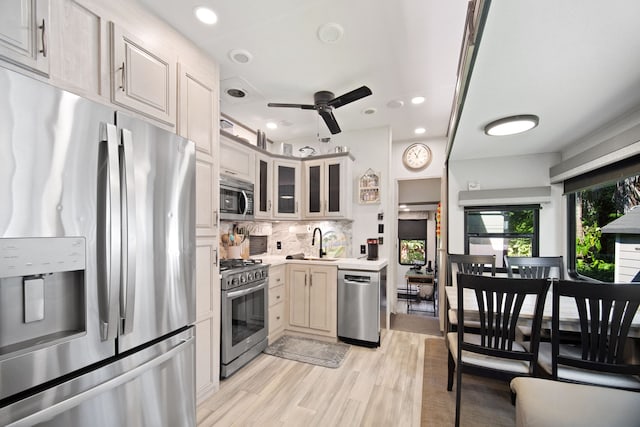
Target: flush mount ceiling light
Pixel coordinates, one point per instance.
(395, 103)
(511, 125)
(205, 15)
(330, 33)
(416, 100)
(240, 56)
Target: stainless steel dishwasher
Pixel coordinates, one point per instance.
(359, 306)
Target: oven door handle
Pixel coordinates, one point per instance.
(244, 292)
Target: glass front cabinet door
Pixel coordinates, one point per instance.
(328, 188)
(287, 182)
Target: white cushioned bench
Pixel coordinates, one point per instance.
(546, 403)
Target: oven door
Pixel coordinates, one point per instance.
(244, 319)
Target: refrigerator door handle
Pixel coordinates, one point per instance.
(58, 408)
(128, 204)
(109, 243)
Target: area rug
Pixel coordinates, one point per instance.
(307, 350)
(417, 324)
(485, 402)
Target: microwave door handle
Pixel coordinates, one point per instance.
(128, 281)
(108, 233)
(246, 202)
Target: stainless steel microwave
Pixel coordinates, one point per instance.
(236, 199)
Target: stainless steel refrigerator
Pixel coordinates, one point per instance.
(97, 264)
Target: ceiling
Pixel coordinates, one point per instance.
(575, 64)
(399, 49)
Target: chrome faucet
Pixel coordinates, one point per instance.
(313, 240)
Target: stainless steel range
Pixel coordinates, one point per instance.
(244, 285)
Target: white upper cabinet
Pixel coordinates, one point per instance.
(328, 188)
(24, 33)
(198, 121)
(141, 79)
(236, 160)
(287, 188)
(263, 187)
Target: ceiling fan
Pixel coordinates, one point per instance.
(324, 102)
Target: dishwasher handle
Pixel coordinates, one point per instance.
(348, 278)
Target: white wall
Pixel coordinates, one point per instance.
(509, 172)
(371, 148)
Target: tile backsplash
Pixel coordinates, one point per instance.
(294, 237)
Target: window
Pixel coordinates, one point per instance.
(502, 231)
(413, 251)
(601, 242)
(412, 235)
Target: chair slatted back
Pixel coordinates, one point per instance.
(471, 264)
(606, 311)
(500, 302)
(535, 267)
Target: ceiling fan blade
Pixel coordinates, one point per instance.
(348, 97)
(330, 120)
(303, 106)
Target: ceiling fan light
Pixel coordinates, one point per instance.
(205, 15)
(511, 125)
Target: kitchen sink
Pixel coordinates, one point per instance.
(315, 258)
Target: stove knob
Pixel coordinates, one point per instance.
(243, 278)
(234, 281)
(258, 274)
(250, 276)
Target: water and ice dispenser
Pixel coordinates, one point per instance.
(42, 292)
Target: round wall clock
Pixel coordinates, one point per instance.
(416, 157)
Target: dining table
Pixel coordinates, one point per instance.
(569, 319)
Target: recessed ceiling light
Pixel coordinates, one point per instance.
(417, 100)
(369, 111)
(205, 15)
(236, 93)
(330, 33)
(272, 125)
(419, 131)
(395, 103)
(511, 125)
(240, 56)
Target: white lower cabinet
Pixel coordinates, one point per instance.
(312, 299)
(207, 318)
(277, 295)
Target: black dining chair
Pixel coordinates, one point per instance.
(535, 267)
(494, 351)
(605, 313)
(467, 264)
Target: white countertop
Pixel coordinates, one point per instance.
(341, 263)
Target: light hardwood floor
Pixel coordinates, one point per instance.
(372, 387)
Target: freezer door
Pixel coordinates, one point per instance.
(158, 258)
(152, 387)
(52, 307)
